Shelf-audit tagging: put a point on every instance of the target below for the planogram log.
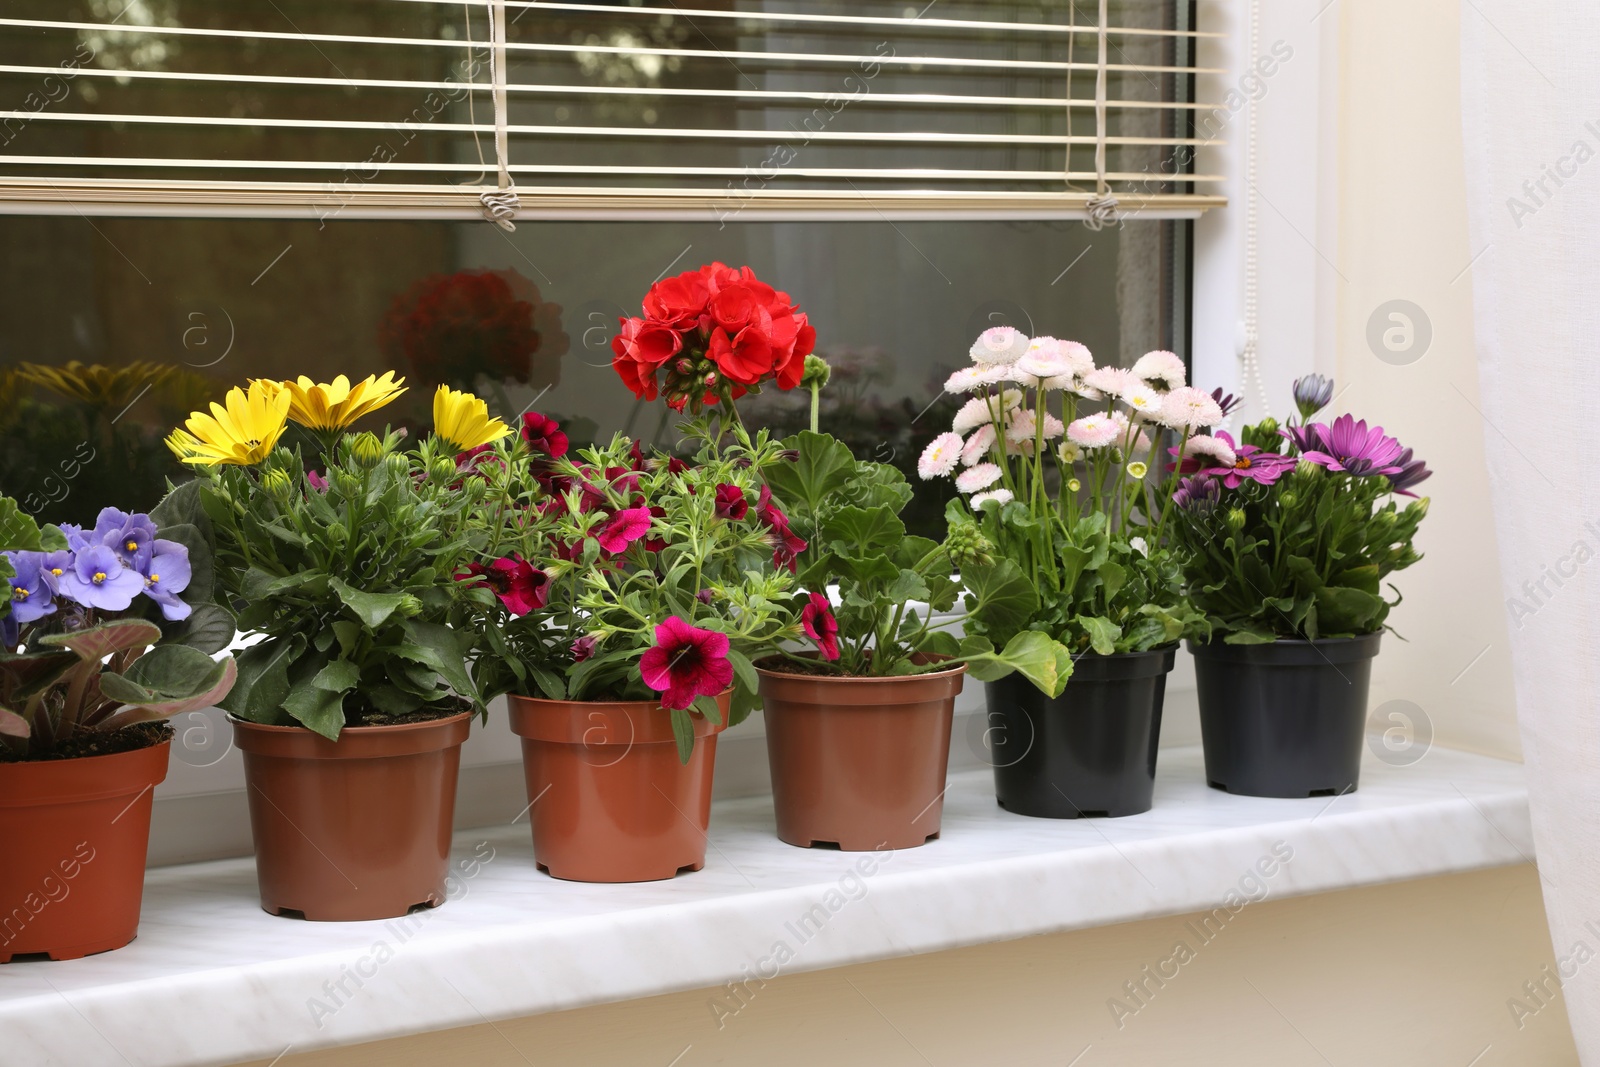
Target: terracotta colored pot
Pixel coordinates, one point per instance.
(73, 835)
(859, 762)
(357, 828)
(608, 799)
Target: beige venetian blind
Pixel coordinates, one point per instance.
(521, 109)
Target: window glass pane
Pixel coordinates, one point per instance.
(186, 308)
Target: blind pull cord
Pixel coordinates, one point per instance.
(1102, 207)
(500, 205)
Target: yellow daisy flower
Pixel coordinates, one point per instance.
(337, 404)
(240, 431)
(97, 384)
(463, 420)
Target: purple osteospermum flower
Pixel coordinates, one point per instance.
(1250, 464)
(1197, 494)
(32, 589)
(1412, 471)
(1312, 393)
(1349, 446)
(1226, 401)
(97, 579)
(167, 575)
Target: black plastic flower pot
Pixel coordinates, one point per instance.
(1286, 719)
(1089, 752)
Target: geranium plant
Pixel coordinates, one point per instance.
(93, 637)
(1289, 532)
(1052, 455)
(338, 551)
(611, 574)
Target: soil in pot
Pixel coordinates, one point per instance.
(1285, 719)
(357, 828)
(608, 798)
(1091, 752)
(74, 830)
(858, 764)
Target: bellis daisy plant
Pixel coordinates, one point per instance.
(95, 637)
(1053, 458)
(1289, 532)
(339, 549)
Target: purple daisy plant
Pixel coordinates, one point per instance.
(1348, 446)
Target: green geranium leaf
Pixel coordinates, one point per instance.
(1103, 633)
(1000, 596)
(824, 466)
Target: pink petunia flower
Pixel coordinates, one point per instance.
(686, 662)
(817, 620)
(623, 529)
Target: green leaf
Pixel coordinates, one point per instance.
(317, 709)
(1103, 633)
(144, 710)
(338, 676)
(744, 671)
(373, 609)
(18, 531)
(1250, 637)
(98, 642)
(445, 650)
(863, 531)
(171, 674)
(1040, 659)
(907, 585)
(1000, 596)
(874, 484)
(263, 684)
(33, 672)
(683, 733)
(12, 724)
(707, 706)
(824, 466)
(209, 629)
(1112, 575)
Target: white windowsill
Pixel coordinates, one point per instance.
(212, 979)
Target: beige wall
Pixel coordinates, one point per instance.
(1391, 976)
(1402, 234)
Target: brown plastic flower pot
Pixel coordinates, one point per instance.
(73, 835)
(352, 829)
(607, 796)
(858, 762)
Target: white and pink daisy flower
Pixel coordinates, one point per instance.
(1162, 370)
(982, 476)
(1188, 408)
(1202, 444)
(971, 379)
(1143, 400)
(978, 411)
(1094, 431)
(978, 445)
(999, 496)
(940, 457)
(1109, 381)
(999, 345)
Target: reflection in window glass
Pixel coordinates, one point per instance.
(117, 328)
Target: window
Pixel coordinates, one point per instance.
(182, 307)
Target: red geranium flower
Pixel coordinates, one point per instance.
(817, 620)
(623, 529)
(686, 662)
(678, 301)
(451, 328)
(543, 435)
(731, 503)
(520, 585)
(638, 351)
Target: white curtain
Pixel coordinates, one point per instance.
(1530, 79)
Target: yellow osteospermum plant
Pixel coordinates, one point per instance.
(242, 430)
(336, 404)
(463, 420)
(96, 384)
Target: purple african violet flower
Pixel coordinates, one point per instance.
(76, 539)
(33, 588)
(1348, 446)
(10, 633)
(129, 536)
(1197, 494)
(97, 579)
(1412, 471)
(167, 575)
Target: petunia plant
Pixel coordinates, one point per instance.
(614, 574)
(1289, 532)
(1053, 457)
(336, 550)
(95, 635)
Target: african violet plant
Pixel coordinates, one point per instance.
(96, 635)
(1052, 453)
(338, 551)
(1289, 532)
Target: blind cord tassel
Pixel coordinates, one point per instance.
(500, 206)
(1101, 210)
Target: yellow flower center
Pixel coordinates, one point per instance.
(99, 576)
(133, 546)
(56, 571)
(19, 593)
(154, 578)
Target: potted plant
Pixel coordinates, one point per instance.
(1288, 535)
(858, 729)
(624, 594)
(1052, 455)
(621, 596)
(96, 651)
(352, 705)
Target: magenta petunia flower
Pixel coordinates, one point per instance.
(731, 503)
(1249, 464)
(623, 529)
(1347, 446)
(316, 481)
(520, 586)
(544, 435)
(583, 648)
(686, 662)
(817, 620)
(786, 544)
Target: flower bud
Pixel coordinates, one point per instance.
(278, 483)
(1137, 470)
(366, 450)
(442, 471)
(816, 373)
(1236, 519)
(710, 379)
(685, 367)
(1419, 508)
(398, 465)
(1307, 469)
(1383, 522)
(346, 483)
(1074, 485)
(1288, 500)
